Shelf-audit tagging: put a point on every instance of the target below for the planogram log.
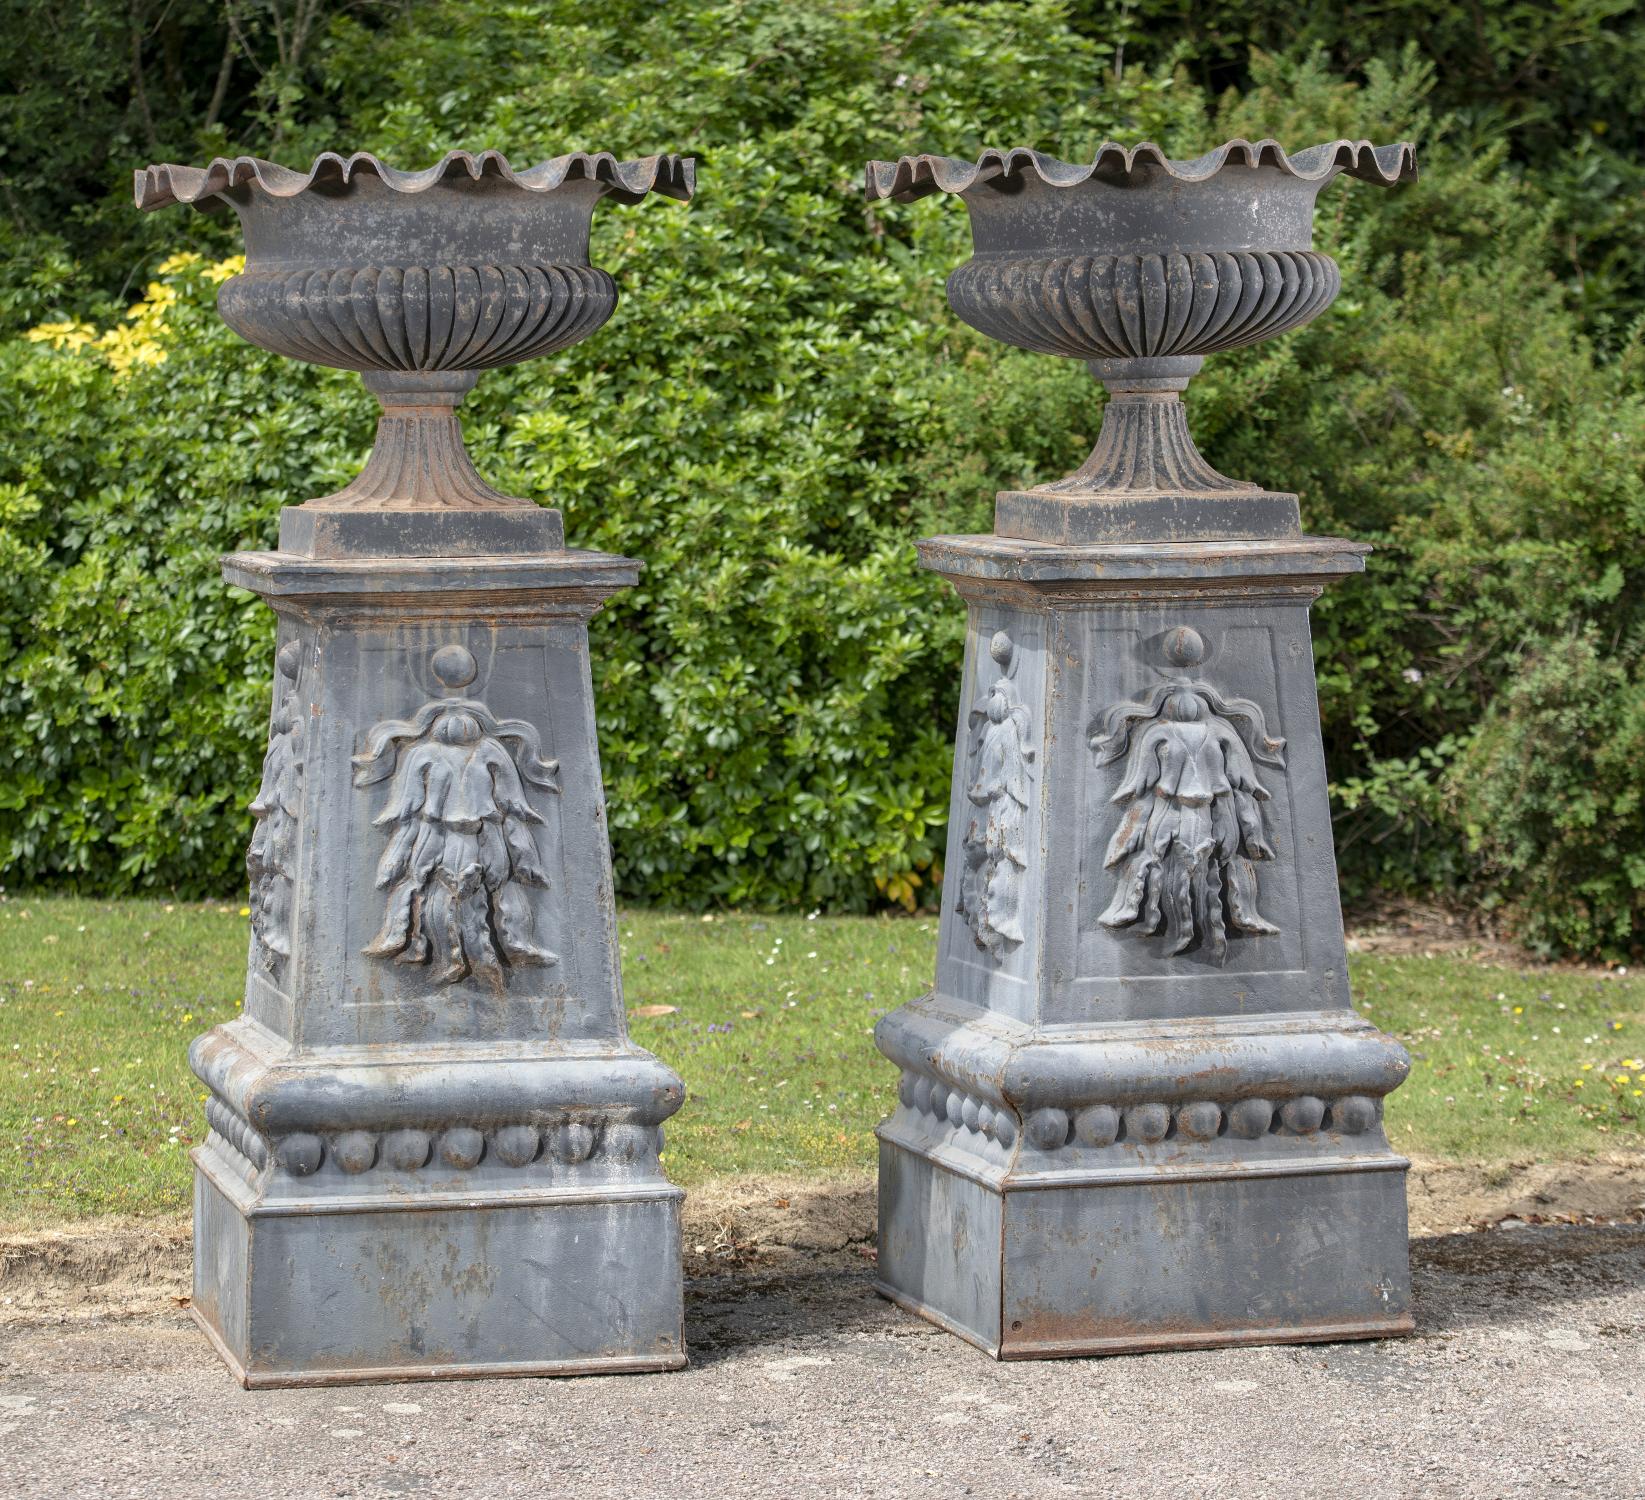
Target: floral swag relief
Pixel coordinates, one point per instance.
(272, 854)
(994, 845)
(463, 845)
(1192, 831)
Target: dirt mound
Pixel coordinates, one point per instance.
(773, 1220)
(124, 1269)
(1445, 1196)
(108, 1268)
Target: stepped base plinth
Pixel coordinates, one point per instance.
(1124, 1186)
(346, 1288)
(1144, 1261)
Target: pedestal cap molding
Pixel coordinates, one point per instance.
(1316, 1054)
(279, 1091)
(1008, 570)
(574, 582)
(1124, 567)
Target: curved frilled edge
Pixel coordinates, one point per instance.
(628, 181)
(912, 177)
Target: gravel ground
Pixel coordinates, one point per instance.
(1525, 1378)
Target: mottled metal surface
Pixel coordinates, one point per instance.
(433, 1149)
(1141, 266)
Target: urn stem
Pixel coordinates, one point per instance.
(1145, 447)
(418, 461)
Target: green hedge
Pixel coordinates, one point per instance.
(782, 402)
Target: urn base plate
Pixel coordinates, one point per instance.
(498, 1283)
(1160, 1261)
(320, 532)
(1075, 519)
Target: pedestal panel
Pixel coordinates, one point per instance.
(549, 1283)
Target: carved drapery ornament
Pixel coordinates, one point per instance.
(272, 853)
(1187, 846)
(463, 844)
(997, 786)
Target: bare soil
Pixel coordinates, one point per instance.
(136, 1268)
(1426, 930)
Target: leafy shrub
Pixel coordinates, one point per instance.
(783, 402)
(757, 423)
(1550, 791)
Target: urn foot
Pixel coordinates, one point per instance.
(1145, 481)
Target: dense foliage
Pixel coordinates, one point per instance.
(783, 401)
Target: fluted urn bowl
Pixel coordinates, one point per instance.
(420, 281)
(1142, 266)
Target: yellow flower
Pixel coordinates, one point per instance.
(1577, 1084)
(1519, 1010)
(245, 911)
(156, 294)
(70, 336)
(179, 262)
(1587, 1067)
(1623, 1078)
(125, 348)
(233, 266)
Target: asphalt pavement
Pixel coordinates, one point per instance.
(1526, 1377)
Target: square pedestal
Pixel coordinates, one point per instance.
(1136, 1109)
(433, 1150)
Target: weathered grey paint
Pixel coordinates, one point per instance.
(1137, 1109)
(433, 1150)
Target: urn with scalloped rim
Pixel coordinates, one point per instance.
(420, 281)
(433, 1148)
(1137, 1109)
(1142, 266)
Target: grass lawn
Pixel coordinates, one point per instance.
(771, 1031)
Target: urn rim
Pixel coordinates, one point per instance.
(164, 183)
(912, 177)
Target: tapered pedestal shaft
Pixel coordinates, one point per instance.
(1136, 1110)
(433, 1152)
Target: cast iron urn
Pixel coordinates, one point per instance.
(421, 281)
(1142, 266)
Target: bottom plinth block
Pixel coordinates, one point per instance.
(1129, 1263)
(583, 1281)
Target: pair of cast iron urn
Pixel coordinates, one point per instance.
(1136, 1109)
